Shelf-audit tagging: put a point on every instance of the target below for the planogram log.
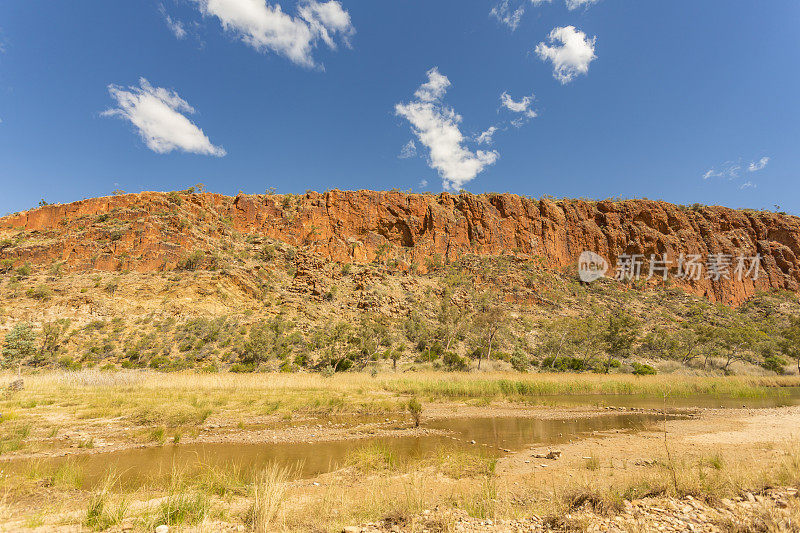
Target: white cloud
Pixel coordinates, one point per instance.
(755, 166)
(748, 185)
(175, 26)
(267, 28)
(572, 57)
(423, 183)
(505, 14)
(436, 127)
(158, 114)
(729, 170)
(487, 137)
(408, 151)
(523, 106)
(433, 90)
(577, 4)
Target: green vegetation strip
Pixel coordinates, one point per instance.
(541, 387)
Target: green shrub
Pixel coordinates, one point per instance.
(454, 362)
(774, 363)
(19, 344)
(241, 368)
(192, 262)
(268, 252)
(520, 363)
(67, 363)
(565, 364)
(175, 198)
(6, 265)
(40, 292)
(640, 369)
(415, 409)
(24, 271)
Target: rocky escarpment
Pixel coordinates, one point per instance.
(156, 231)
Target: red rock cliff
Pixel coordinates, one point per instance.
(153, 231)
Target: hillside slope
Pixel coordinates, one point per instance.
(359, 279)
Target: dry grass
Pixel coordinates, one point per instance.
(138, 406)
(269, 492)
(377, 484)
(383, 489)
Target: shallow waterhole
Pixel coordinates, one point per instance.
(155, 466)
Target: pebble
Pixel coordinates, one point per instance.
(162, 529)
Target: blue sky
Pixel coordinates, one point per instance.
(675, 100)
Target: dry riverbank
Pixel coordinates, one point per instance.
(623, 468)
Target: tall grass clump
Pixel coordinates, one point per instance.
(373, 458)
(181, 507)
(101, 514)
(269, 490)
(223, 481)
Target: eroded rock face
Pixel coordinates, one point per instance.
(153, 231)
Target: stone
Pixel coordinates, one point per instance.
(727, 504)
(351, 529)
(162, 528)
(16, 385)
(553, 454)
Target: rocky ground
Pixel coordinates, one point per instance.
(774, 510)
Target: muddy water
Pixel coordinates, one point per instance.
(154, 466)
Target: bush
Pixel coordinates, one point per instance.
(331, 294)
(24, 271)
(775, 364)
(192, 262)
(175, 198)
(242, 368)
(640, 369)
(268, 252)
(40, 292)
(415, 409)
(19, 344)
(6, 265)
(453, 362)
(159, 362)
(67, 363)
(565, 364)
(520, 363)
